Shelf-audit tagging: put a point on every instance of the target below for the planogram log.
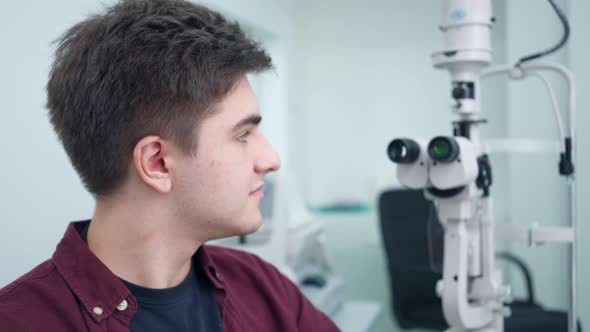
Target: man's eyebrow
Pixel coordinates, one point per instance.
(252, 119)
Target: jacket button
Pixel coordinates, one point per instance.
(97, 310)
(122, 306)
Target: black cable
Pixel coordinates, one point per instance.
(564, 38)
(524, 269)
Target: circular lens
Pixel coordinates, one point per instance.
(440, 149)
(403, 151)
(443, 149)
(397, 151)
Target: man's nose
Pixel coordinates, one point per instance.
(269, 160)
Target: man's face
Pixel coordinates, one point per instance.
(219, 190)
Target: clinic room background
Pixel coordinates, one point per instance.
(350, 76)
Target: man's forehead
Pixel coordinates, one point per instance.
(239, 105)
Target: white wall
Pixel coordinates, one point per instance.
(357, 71)
(40, 191)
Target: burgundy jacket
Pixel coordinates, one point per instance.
(75, 291)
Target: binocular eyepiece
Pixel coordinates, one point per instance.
(442, 149)
(403, 151)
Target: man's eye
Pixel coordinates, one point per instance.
(243, 137)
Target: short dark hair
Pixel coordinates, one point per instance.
(144, 67)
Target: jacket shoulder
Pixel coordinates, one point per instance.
(20, 298)
(38, 274)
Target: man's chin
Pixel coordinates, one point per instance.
(238, 227)
(249, 227)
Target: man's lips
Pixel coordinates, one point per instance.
(258, 190)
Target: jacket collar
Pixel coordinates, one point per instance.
(97, 288)
(95, 285)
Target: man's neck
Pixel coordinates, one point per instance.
(139, 246)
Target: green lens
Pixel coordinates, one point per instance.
(396, 151)
(403, 151)
(441, 150)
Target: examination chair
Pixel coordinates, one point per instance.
(404, 218)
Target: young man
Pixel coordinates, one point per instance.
(152, 105)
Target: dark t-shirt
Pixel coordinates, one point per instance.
(188, 307)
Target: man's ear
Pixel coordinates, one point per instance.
(149, 158)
